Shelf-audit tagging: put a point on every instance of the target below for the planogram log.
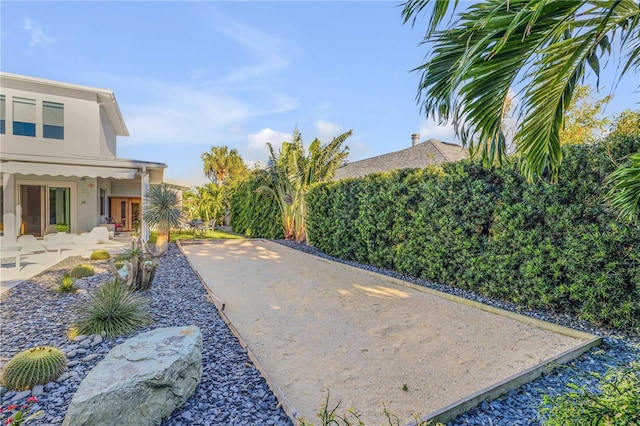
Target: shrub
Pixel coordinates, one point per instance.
(66, 284)
(254, 213)
(555, 247)
(113, 309)
(35, 366)
(62, 227)
(615, 402)
(100, 255)
(81, 271)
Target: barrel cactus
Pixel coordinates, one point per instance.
(35, 366)
(82, 271)
(100, 255)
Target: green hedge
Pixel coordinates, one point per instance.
(556, 247)
(255, 214)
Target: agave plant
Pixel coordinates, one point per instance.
(113, 309)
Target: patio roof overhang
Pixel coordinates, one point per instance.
(41, 169)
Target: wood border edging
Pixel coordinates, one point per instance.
(496, 390)
(288, 408)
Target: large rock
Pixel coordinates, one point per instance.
(141, 381)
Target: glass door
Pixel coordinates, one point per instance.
(135, 215)
(32, 207)
(60, 208)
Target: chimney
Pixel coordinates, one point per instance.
(415, 139)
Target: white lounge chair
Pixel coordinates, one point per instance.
(98, 235)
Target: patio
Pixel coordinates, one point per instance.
(33, 260)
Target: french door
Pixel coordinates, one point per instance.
(43, 205)
(126, 211)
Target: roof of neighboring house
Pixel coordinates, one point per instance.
(104, 97)
(179, 184)
(418, 156)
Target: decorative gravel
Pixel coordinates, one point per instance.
(232, 392)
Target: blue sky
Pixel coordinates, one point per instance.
(191, 75)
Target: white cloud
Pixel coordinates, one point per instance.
(326, 131)
(191, 113)
(432, 130)
(267, 49)
(185, 115)
(257, 146)
(37, 34)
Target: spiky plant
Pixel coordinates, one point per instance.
(100, 255)
(113, 309)
(163, 212)
(35, 366)
(82, 271)
(66, 284)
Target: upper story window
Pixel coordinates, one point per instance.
(2, 115)
(24, 117)
(52, 120)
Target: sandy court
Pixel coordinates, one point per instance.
(315, 325)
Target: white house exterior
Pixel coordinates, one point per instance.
(58, 159)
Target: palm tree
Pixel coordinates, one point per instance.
(540, 49)
(220, 163)
(162, 211)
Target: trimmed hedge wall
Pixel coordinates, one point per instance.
(255, 214)
(556, 247)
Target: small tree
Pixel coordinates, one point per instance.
(582, 120)
(162, 212)
(293, 172)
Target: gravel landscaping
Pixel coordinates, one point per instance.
(232, 391)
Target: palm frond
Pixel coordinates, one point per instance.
(496, 46)
(625, 191)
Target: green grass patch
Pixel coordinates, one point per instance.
(189, 235)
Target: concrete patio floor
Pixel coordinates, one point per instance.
(311, 324)
(32, 264)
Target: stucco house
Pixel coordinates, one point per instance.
(419, 155)
(58, 159)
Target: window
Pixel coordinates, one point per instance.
(53, 120)
(103, 202)
(2, 115)
(59, 206)
(24, 117)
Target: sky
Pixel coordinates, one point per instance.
(191, 75)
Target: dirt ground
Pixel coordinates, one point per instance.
(317, 325)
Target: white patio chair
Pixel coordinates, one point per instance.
(98, 235)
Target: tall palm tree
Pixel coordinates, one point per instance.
(220, 163)
(540, 49)
(162, 212)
